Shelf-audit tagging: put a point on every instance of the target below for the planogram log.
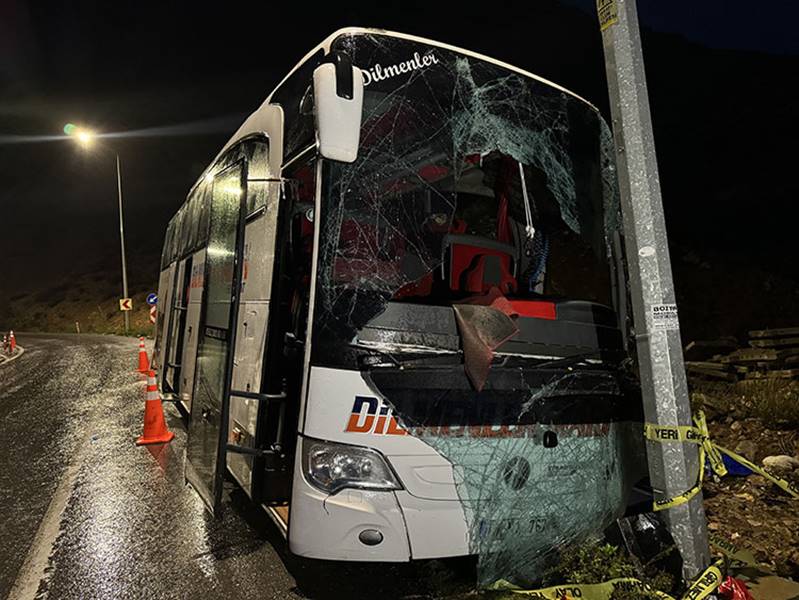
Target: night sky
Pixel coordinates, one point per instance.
(176, 79)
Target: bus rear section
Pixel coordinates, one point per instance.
(423, 352)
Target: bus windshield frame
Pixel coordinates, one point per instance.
(446, 140)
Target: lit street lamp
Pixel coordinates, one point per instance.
(86, 138)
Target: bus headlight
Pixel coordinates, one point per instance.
(332, 467)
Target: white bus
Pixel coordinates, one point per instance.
(394, 310)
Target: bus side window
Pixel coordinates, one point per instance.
(203, 215)
(300, 190)
(173, 239)
(258, 174)
(166, 256)
(193, 218)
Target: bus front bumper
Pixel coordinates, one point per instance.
(334, 527)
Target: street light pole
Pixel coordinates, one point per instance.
(86, 138)
(673, 466)
(122, 245)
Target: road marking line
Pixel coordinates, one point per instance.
(33, 569)
(8, 359)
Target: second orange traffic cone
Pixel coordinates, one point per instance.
(155, 429)
(144, 364)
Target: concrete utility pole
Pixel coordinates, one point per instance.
(674, 466)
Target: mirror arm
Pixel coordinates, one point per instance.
(344, 79)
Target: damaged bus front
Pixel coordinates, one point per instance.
(468, 384)
(395, 312)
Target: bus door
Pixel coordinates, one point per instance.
(177, 325)
(165, 287)
(267, 373)
(194, 303)
(207, 433)
(247, 404)
(257, 407)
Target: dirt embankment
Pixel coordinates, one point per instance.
(90, 299)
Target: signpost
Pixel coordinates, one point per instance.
(126, 304)
(673, 467)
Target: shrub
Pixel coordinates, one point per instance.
(595, 563)
(773, 400)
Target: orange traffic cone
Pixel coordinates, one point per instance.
(155, 429)
(144, 364)
(12, 342)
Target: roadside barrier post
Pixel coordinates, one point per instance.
(673, 465)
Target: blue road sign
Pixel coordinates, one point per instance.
(152, 299)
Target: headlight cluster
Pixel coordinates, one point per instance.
(332, 467)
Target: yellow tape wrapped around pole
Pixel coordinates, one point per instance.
(700, 435)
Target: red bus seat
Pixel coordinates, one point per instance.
(489, 271)
(476, 264)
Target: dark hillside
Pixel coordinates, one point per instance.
(725, 123)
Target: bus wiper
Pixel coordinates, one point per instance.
(401, 356)
(567, 360)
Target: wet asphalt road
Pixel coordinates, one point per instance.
(84, 513)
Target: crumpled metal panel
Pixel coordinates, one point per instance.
(482, 329)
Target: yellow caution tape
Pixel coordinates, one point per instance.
(781, 483)
(731, 551)
(702, 586)
(698, 434)
(711, 578)
(706, 583)
(587, 591)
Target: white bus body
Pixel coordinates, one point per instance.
(267, 390)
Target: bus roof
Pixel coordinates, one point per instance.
(325, 45)
(254, 123)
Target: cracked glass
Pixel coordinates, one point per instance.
(466, 267)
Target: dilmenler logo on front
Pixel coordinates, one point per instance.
(381, 73)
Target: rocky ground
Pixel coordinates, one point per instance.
(758, 421)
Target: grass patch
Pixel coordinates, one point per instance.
(89, 303)
(771, 400)
(597, 563)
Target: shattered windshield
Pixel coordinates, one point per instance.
(469, 177)
(466, 266)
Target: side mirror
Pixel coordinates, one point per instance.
(338, 105)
